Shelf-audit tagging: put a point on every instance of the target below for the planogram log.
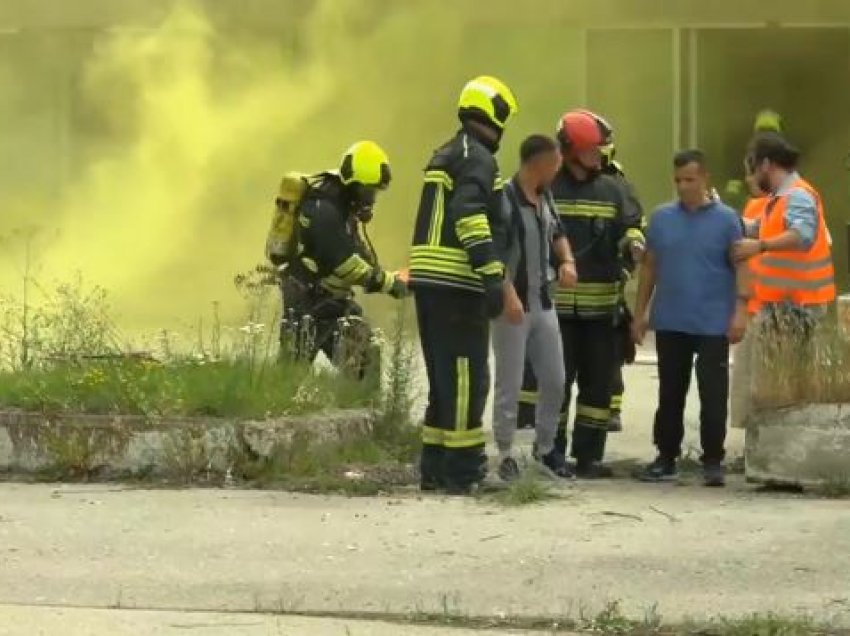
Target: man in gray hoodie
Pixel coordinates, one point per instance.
(529, 241)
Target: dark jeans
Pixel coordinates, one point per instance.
(676, 352)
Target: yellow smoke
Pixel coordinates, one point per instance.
(196, 124)
(178, 135)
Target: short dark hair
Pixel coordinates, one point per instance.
(775, 148)
(691, 155)
(534, 145)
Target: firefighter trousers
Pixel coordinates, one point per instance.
(455, 336)
(589, 349)
(527, 407)
(618, 386)
(314, 321)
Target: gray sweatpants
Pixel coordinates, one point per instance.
(539, 336)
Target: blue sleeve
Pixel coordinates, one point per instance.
(736, 228)
(802, 216)
(652, 232)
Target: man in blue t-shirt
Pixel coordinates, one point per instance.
(699, 306)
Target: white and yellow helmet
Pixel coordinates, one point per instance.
(489, 99)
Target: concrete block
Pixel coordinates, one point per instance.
(806, 445)
(117, 445)
(843, 304)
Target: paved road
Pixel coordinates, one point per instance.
(688, 550)
(29, 620)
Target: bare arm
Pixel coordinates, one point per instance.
(788, 240)
(743, 281)
(562, 250)
(646, 284)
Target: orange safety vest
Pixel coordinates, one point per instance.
(796, 276)
(754, 211)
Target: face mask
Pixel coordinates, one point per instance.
(362, 202)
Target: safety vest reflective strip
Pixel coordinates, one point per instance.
(801, 277)
(754, 211)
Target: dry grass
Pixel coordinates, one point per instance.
(796, 362)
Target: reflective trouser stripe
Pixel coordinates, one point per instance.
(432, 436)
(528, 397)
(592, 416)
(462, 398)
(616, 402)
(452, 439)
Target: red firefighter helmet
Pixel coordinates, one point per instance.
(582, 130)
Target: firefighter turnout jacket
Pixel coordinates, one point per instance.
(452, 240)
(331, 252)
(601, 218)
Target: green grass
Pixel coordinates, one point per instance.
(610, 621)
(532, 487)
(61, 353)
(216, 388)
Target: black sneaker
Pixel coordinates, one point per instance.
(615, 424)
(459, 490)
(593, 470)
(508, 469)
(714, 475)
(428, 486)
(557, 463)
(660, 470)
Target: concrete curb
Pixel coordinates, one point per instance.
(131, 446)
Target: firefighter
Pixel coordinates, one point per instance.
(624, 350)
(737, 191)
(333, 255)
(602, 223)
(457, 280)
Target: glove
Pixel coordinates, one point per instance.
(398, 289)
(494, 299)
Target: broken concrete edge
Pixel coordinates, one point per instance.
(804, 445)
(135, 446)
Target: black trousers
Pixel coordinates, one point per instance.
(313, 321)
(588, 360)
(618, 386)
(455, 335)
(676, 353)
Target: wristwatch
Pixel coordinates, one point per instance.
(762, 246)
